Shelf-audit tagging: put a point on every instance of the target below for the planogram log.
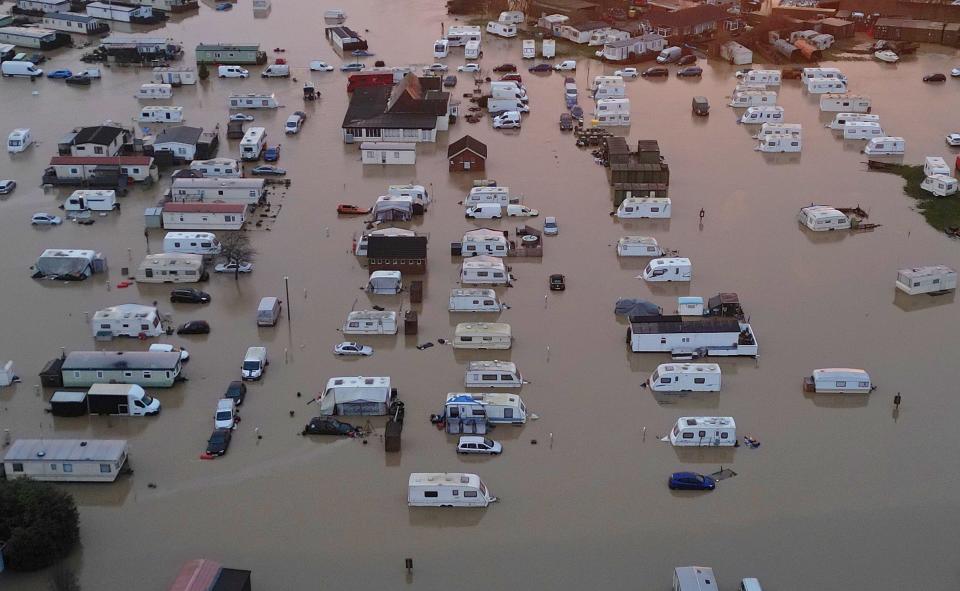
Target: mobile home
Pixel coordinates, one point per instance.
(474, 300)
(356, 396)
(122, 13)
(160, 115)
(514, 17)
(402, 153)
(685, 377)
(612, 112)
(253, 101)
(203, 216)
(484, 242)
(838, 380)
(757, 115)
(494, 408)
(941, 185)
(482, 335)
(253, 144)
(370, 322)
(447, 489)
(638, 246)
(826, 85)
(765, 77)
(704, 432)
(151, 91)
(218, 189)
(171, 268)
(148, 369)
(492, 374)
(91, 200)
(668, 269)
(217, 167)
(202, 243)
(126, 320)
(928, 279)
(845, 103)
(694, 578)
(885, 146)
(175, 75)
(508, 30)
(19, 140)
(840, 120)
(862, 130)
(780, 137)
(68, 263)
(529, 49)
(753, 98)
(644, 207)
(935, 165)
(685, 335)
(822, 218)
(810, 74)
(459, 35)
(66, 460)
(484, 270)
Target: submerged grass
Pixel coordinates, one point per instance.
(943, 213)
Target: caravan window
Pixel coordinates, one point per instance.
(99, 375)
(489, 377)
(105, 468)
(702, 434)
(470, 493)
(699, 380)
(456, 492)
(17, 467)
(430, 494)
(478, 412)
(841, 384)
(128, 374)
(147, 375)
(688, 435)
(508, 413)
(664, 380)
(68, 468)
(466, 339)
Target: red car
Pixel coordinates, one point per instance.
(512, 77)
(346, 209)
(505, 68)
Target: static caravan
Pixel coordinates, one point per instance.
(612, 112)
(694, 578)
(91, 200)
(385, 283)
(840, 120)
(160, 115)
(885, 146)
(514, 17)
(68, 264)
(600, 81)
(826, 85)
(218, 167)
(810, 74)
(479, 195)
(822, 218)
(253, 143)
(744, 87)
(253, 101)
(202, 243)
(508, 30)
(459, 35)
(935, 165)
(753, 98)
(175, 76)
(485, 242)
(668, 269)
(757, 115)
(218, 190)
(360, 248)
(203, 216)
(765, 77)
(171, 268)
(126, 320)
(441, 48)
(356, 396)
(704, 432)
(484, 270)
(929, 279)
(791, 140)
(638, 246)
(685, 377)
(417, 192)
(941, 185)
(838, 380)
(492, 374)
(862, 130)
(370, 322)
(610, 91)
(494, 408)
(474, 300)
(148, 369)
(19, 140)
(122, 13)
(529, 49)
(151, 91)
(683, 335)
(66, 460)
(447, 489)
(402, 153)
(482, 335)
(644, 207)
(845, 103)
(471, 50)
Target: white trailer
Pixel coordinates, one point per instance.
(484, 242)
(941, 185)
(638, 246)
(766, 77)
(356, 396)
(484, 270)
(497, 194)
(935, 165)
(218, 167)
(845, 103)
(474, 300)
(823, 218)
(447, 489)
(492, 374)
(253, 143)
(838, 380)
(514, 17)
(644, 207)
(471, 50)
(370, 322)
(482, 335)
(927, 279)
(202, 243)
(758, 115)
(668, 269)
(492, 407)
(840, 120)
(612, 112)
(810, 74)
(175, 76)
(695, 578)
(160, 115)
(685, 377)
(508, 30)
(826, 85)
(66, 460)
(91, 200)
(862, 130)
(253, 101)
(441, 48)
(126, 320)
(790, 140)
(704, 432)
(19, 140)
(689, 336)
(459, 35)
(171, 268)
(548, 48)
(753, 98)
(529, 49)
(154, 91)
(885, 146)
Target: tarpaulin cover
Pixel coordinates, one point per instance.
(630, 307)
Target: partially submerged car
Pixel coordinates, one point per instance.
(329, 426)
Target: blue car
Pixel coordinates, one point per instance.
(60, 74)
(272, 154)
(224, 6)
(691, 481)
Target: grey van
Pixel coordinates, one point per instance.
(268, 312)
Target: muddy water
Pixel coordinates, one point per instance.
(842, 493)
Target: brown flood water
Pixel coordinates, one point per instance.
(843, 494)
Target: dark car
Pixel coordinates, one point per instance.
(691, 481)
(512, 78)
(690, 71)
(189, 295)
(79, 79)
(272, 153)
(268, 170)
(194, 327)
(540, 68)
(687, 60)
(566, 122)
(236, 391)
(558, 282)
(935, 78)
(219, 442)
(505, 68)
(655, 72)
(449, 81)
(328, 426)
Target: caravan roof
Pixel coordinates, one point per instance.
(484, 262)
(93, 450)
(124, 311)
(821, 212)
(492, 366)
(500, 329)
(443, 479)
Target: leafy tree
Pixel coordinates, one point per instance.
(203, 72)
(235, 247)
(38, 522)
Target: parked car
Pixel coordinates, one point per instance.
(686, 60)
(355, 67)
(328, 426)
(953, 140)
(167, 348)
(241, 117)
(955, 72)
(294, 122)
(348, 209)
(550, 227)
(236, 391)
(189, 295)
(506, 68)
(45, 219)
(272, 153)
(318, 66)
(351, 348)
(7, 186)
(194, 327)
(244, 267)
(469, 68)
(935, 78)
(627, 73)
(362, 53)
(60, 74)
(219, 442)
(566, 122)
(566, 66)
(691, 481)
(655, 72)
(558, 282)
(437, 67)
(512, 78)
(507, 120)
(690, 71)
(268, 170)
(449, 81)
(79, 80)
(471, 444)
(226, 415)
(540, 68)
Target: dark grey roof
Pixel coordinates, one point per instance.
(368, 109)
(138, 360)
(71, 16)
(677, 324)
(102, 135)
(182, 134)
(403, 247)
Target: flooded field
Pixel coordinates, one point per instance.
(844, 493)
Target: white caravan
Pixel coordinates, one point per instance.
(929, 279)
(862, 130)
(460, 35)
(826, 85)
(845, 103)
(638, 246)
(160, 115)
(823, 218)
(202, 243)
(753, 98)
(126, 320)
(441, 48)
(704, 431)
(171, 267)
(493, 407)
(840, 120)
(935, 165)
(492, 374)
(941, 185)
(218, 167)
(839, 380)
(612, 112)
(548, 48)
(471, 50)
(474, 300)
(370, 322)
(482, 335)
(514, 17)
(757, 115)
(644, 207)
(485, 242)
(478, 195)
(91, 200)
(19, 140)
(484, 270)
(765, 77)
(685, 377)
(507, 30)
(529, 50)
(885, 146)
(787, 138)
(695, 578)
(809, 74)
(668, 269)
(253, 144)
(447, 489)
(603, 80)
(385, 283)
(66, 460)
(253, 101)
(154, 92)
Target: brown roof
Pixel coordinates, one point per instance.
(688, 16)
(204, 207)
(467, 143)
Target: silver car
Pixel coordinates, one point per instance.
(550, 227)
(471, 444)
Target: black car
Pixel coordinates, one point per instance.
(219, 442)
(558, 282)
(194, 327)
(540, 68)
(328, 426)
(566, 122)
(79, 79)
(935, 78)
(449, 81)
(236, 391)
(655, 72)
(505, 68)
(693, 71)
(687, 60)
(189, 295)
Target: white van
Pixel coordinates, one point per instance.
(885, 146)
(862, 130)
(232, 72)
(644, 207)
(668, 269)
(204, 243)
(522, 211)
(935, 165)
(254, 363)
(669, 55)
(492, 374)
(484, 211)
(268, 311)
(508, 93)
(499, 195)
(704, 431)
(482, 335)
(276, 71)
(154, 91)
(474, 300)
(840, 380)
(638, 246)
(92, 200)
(19, 140)
(508, 120)
(685, 377)
(757, 115)
(25, 69)
(447, 489)
(253, 144)
(506, 105)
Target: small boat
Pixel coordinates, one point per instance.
(346, 209)
(886, 56)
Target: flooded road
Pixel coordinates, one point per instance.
(842, 494)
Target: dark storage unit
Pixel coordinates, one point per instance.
(410, 322)
(416, 292)
(391, 436)
(68, 404)
(50, 375)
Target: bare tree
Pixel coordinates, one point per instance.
(63, 579)
(235, 247)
